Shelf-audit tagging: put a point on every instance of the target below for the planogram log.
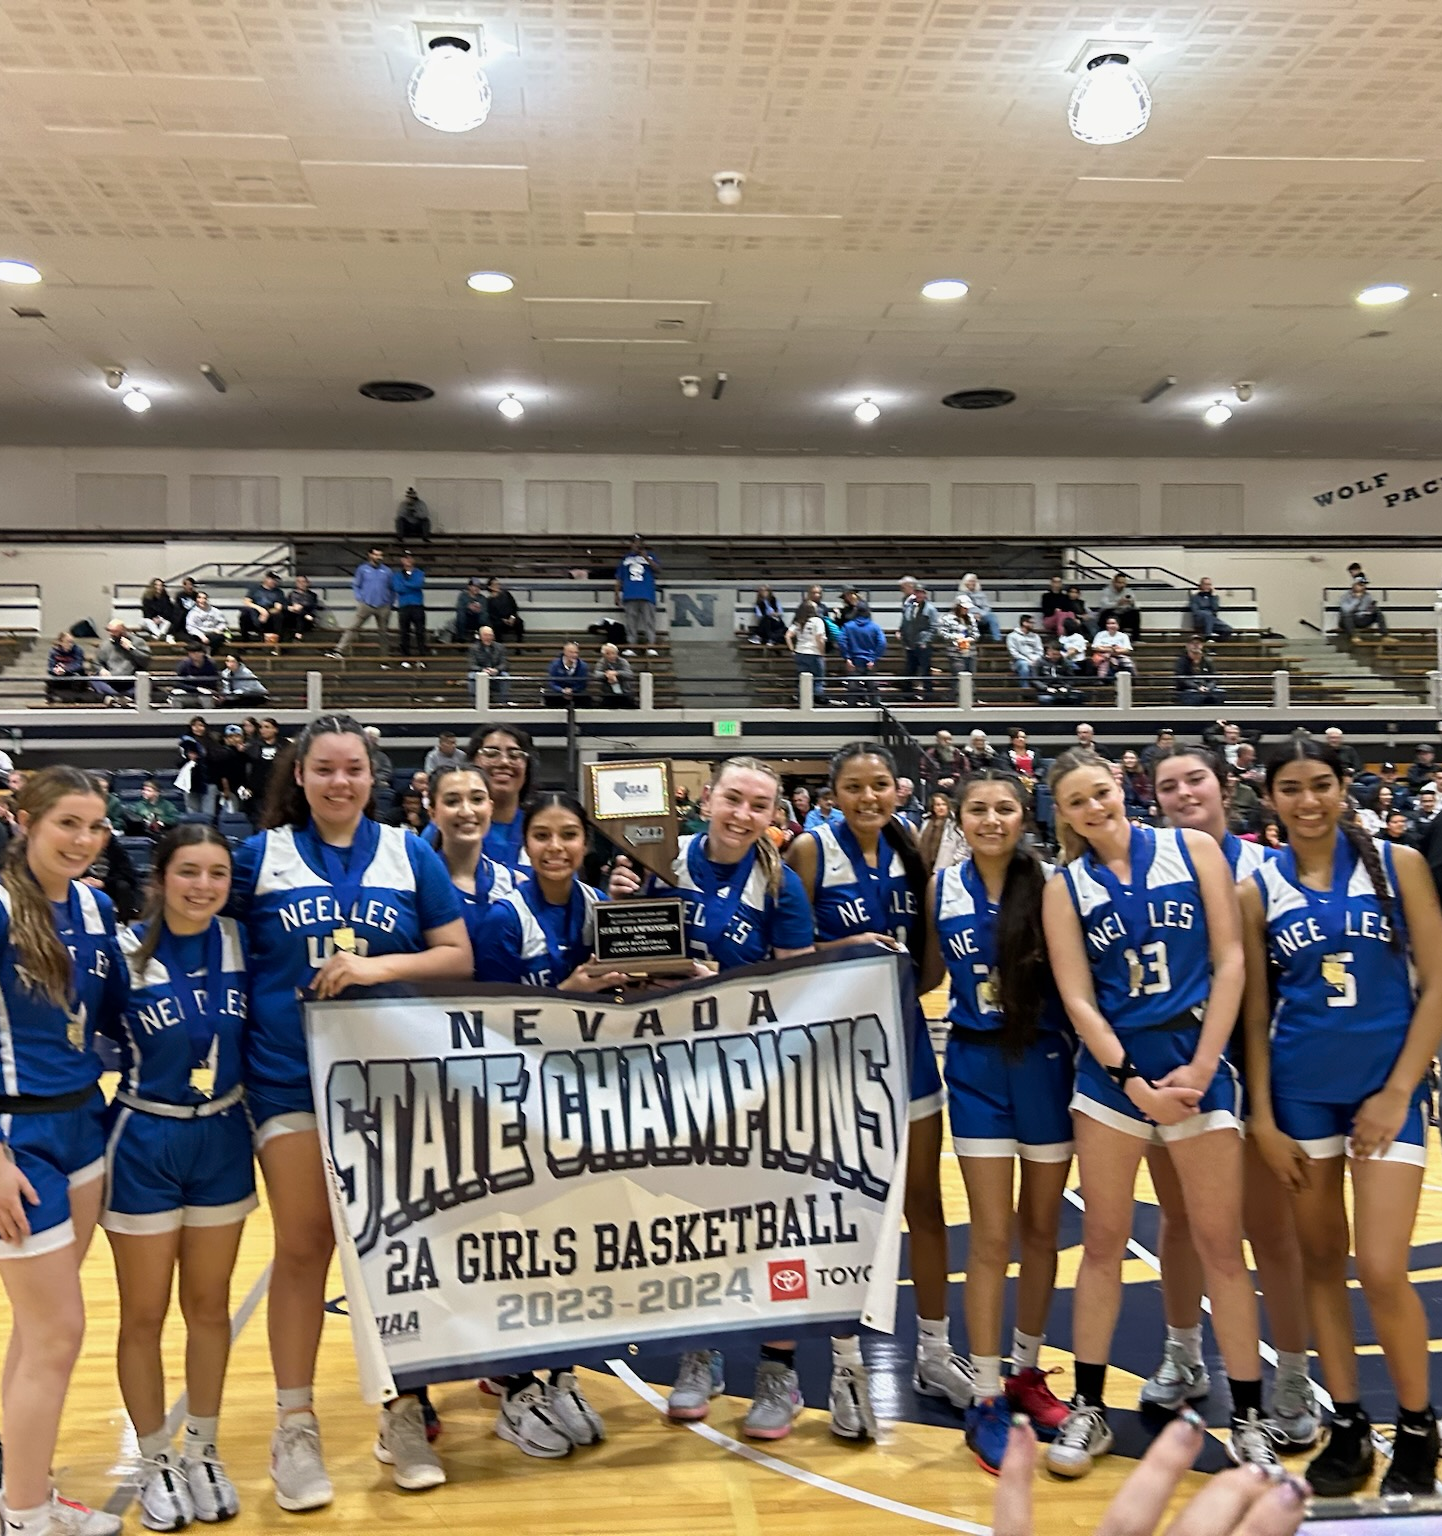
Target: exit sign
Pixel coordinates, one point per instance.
(726, 728)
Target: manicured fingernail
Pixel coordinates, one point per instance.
(1019, 1421)
(1292, 1492)
(1193, 1420)
(1258, 1474)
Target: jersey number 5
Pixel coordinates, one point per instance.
(1336, 974)
(1147, 971)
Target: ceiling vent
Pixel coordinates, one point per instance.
(396, 391)
(979, 399)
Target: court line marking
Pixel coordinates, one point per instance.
(647, 1393)
(125, 1495)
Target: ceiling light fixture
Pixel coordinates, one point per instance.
(135, 400)
(1111, 102)
(491, 282)
(1163, 384)
(510, 408)
(728, 186)
(690, 385)
(1383, 293)
(867, 411)
(1217, 415)
(945, 288)
(213, 378)
(18, 272)
(449, 90)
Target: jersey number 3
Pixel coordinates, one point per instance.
(1147, 972)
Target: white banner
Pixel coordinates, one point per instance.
(522, 1177)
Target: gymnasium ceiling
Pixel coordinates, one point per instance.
(239, 182)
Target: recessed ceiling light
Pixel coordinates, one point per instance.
(491, 282)
(1217, 415)
(867, 411)
(1111, 102)
(1383, 293)
(18, 272)
(945, 288)
(135, 400)
(510, 407)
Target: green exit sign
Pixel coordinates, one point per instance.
(726, 728)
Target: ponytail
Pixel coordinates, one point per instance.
(1366, 850)
(895, 835)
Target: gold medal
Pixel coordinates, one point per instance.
(990, 991)
(1334, 973)
(75, 1030)
(1134, 974)
(344, 940)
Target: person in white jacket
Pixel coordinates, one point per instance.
(971, 596)
(207, 624)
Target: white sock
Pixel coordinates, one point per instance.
(154, 1445)
(199, 1435)
(28, 1522)
(1026, 1350)
(293, 1400)
(846, 1351)
(1289, 1364)
(987, 1370)
(1190, 1340)
(933, 1336)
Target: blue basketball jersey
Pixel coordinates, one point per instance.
(852, 896)
(505, 843)
(47, 1050)
(1344, 994)
(731, 917)
(186, 1011)
(389, 890)
(528, 940)
(1147, 941)
(1245, 858)
(493, 881)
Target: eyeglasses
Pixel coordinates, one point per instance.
(497, 754)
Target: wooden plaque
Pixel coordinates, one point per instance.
(630, 804)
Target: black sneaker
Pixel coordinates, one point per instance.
(1345, 1463)
(1414, 1461)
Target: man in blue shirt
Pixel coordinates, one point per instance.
(636, 594)
(567, 678)
(260, 613)
(409, 586)
(371, 588)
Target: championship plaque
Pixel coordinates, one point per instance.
(641, 938)
(630, 804)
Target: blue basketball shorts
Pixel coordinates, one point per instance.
(163, 1173)
(1005, 1108)
(277, 1109)
(927, 1095)
(57, 1153)
(1155, 1053)
(1325, 1130)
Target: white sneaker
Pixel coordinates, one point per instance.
(526, 1421)
(211, 1490)
(165, 1502)
(1082, 1438)
(852, 1416)
(402, 1445)
(297, 1467)
(939, 1373)
(1177, 1381)
(69, 1517)
(577, 1419)
(1295, 1420)
(1251, 1444)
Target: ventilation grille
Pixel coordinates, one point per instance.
(979, 399)
(396, 391)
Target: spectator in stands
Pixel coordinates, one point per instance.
(381, 763)
(502, 613)
(1387, 775)
(1086, 737)
(157, 612)
(568, 678)
(262, 609)
(409, 812)
(916, 633)
(1079, 610)
(942, 764)
(413, 519)
(1373, 812)
(445, 754)
(1429, 798)
(197, 678)
(1345, 752)
(782, 831)
(421, 785)
(371, 588)
(113, 873)
(825, 810)
(234, 770)
(801, 803)
(120, 656)
(768, 626)
(201, 756)
(863, 644)
(1024, 646)
(488, 655)
(67, 673)
(1118, 603)
(150, 815)
(979, 751)
(615, 680)
(1020, 758)
(1249, 770)
(636, 595)
(1196, 676)
(408, 586)
(1053, 679)
(182, 602)
(807, 640)
(1111, 649)
(1225, 737)
(1166, 737)
(1076, 646)
(262, 751)
(207, 624)
(908, 805)
(1244, 805)
(1137, 782)
(976, 602)
(302, 606)
(940, 840)
(1357, 611)
(1355, 573)
(1397, 829)
(1423, 767)
(114, 806)
(472, 611)
(1205, 607)
(850, 601)
(957, 635)
(239, 684)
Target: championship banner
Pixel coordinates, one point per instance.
(522, 1177)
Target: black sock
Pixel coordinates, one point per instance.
(786, 1357)
(1091, 1383)
(1246, 1396)
(1419, 1418)
(1347, 1417)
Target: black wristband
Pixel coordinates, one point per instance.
(1123, 1074)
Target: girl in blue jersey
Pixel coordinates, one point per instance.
(867, 885)
(1009, 1073)
(507, 756)
(329, 899)
(61, 978)
(1190, 784)
(1336, 1074)
(742, 906)
(461, 808)
(179, 1166)
(1141, 925)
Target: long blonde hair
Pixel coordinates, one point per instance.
(1072, 844)
(38, 947)
(768, 856)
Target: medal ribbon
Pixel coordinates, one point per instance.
(1328, 909)
(346, 879)
(200, 1025)
(703, 873)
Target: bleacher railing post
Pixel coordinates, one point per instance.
(1434, 692)
(1281, 689)
(805, 683)
(1124, 690)
(648, 690)
(314, 693)
(965, 692)
(482, 685)
(142, 693)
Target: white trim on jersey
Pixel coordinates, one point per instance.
(232, 955)
(1281, 895)
(755, 893)
(954, 898)
(836, 866)
(1251, 858)
(1090, 894)
(1169, 862)
(534, 943)
(283, 869)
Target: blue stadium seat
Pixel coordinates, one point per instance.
(141, 851)
(189, 818)
(128, 782)
(235, 826)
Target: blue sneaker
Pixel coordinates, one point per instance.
(988, 1423)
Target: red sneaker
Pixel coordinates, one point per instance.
(1028, 1393)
